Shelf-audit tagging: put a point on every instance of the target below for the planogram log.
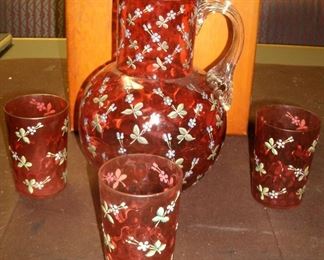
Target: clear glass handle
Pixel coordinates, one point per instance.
(221, 75)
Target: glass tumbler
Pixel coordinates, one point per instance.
(285, 141)
(37, 127)
(139, 204)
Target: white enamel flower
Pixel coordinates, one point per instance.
(170, 154)
(156, 37)
(171, 15)
(167, 101)
(149, 8)
(147, 48)
(129, 98)
(122, 150)
(120, 136)
(128, 33)
(192, 122)
(138, 12)
(168, 59)
(167, 137)
(143, 246)
(139, 57)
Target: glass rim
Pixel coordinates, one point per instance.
(280, 106)
(63, 110)
(139, 196)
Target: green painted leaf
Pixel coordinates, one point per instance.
(28, 164)
(179, 162)
(111, 220)
(138, 113)
(127, 111)
(274, 151)
(165, 219)
(189, 137)
(157, 244)
(162, 247)
(142, 140)
(138, 106)
(136, 130)
(160, 212)
(173, 114)
(183, 131)
(20, 165)
(26, 140)
(150, 253)
(156, 219)
(30, 189)
(22, 132)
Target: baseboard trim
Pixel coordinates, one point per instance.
(24, 48)
(290, 55)
(265, 54)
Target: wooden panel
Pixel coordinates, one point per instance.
(88, 31)
(211, 41)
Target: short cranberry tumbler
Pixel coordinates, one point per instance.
(37, 135)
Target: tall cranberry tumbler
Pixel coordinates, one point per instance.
(37, 132)
(285, 141)
(139, 204)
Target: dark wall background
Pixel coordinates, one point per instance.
(33, 18)
(298, 22)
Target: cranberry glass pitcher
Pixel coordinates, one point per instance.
(151, 100)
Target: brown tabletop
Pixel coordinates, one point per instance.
(219, 219)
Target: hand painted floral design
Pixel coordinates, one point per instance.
(100, 119)
(164, 177)
(190, 172)
(273, 146)
(137, 134)
(22, 134)
(115, 178)
(65, 127)
(110, 210)
(156, 247)
(59, 157)
(120, 138)
(22, 160)
(300, 192)
(295, 120)
(299, 173)
(64, 176)
(178, 111)
(134, 110)
(107, 240)
(162, 213)
(171, 153)
(214, 149)
(214, 102)
(185, 135)
(185, 36)
(259, 166)
(265, 192)
(138, 14)
(42, 107)
(92, 149)
(33, 184)
(139, 57)
(312, 148)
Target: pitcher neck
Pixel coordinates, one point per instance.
(156, 38)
